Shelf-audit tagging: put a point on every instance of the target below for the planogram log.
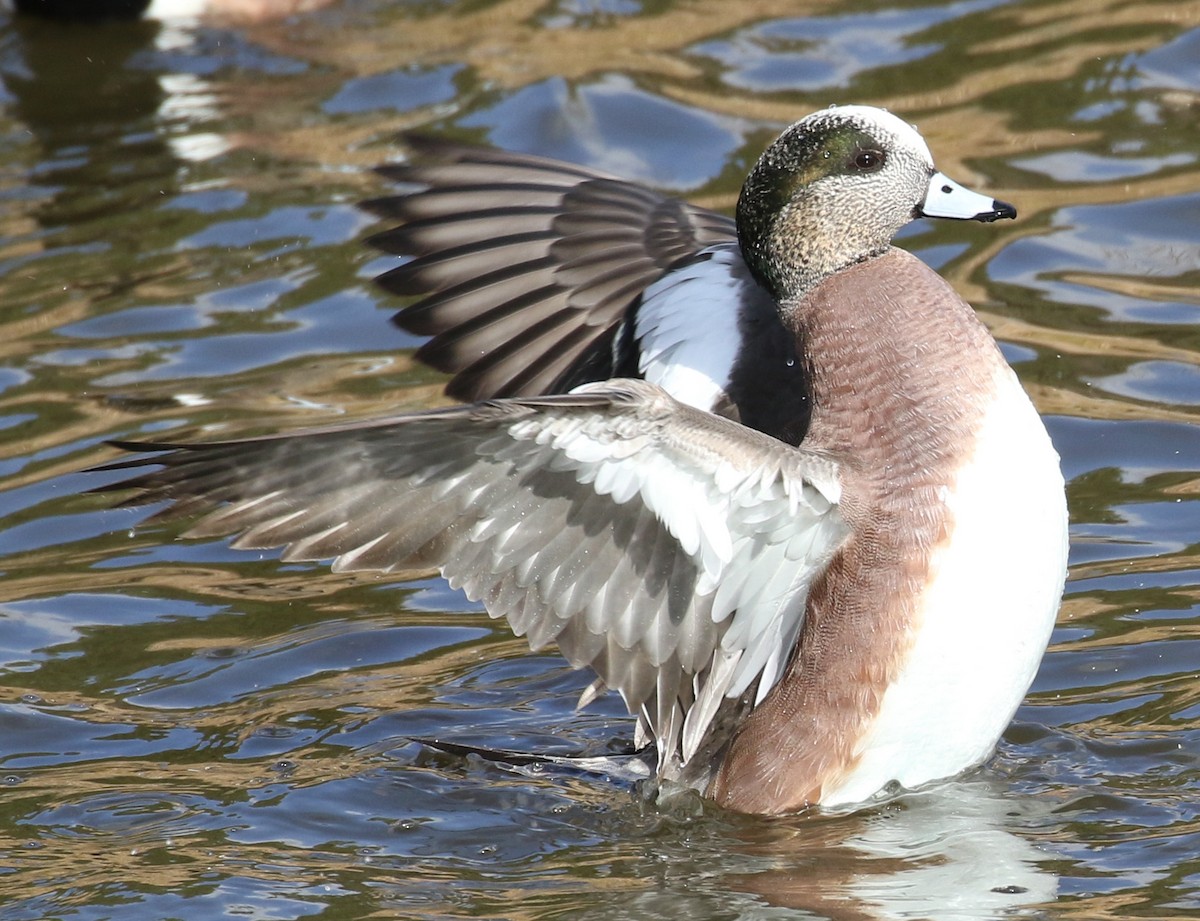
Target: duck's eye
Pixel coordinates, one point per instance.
(867, 161)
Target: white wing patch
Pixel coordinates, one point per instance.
(687, 328)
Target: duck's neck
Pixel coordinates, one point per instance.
(789, 248)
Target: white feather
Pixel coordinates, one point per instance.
(687, 328)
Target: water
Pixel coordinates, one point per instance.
(188, 731)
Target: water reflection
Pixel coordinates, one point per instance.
(611, 124)
(86, 113)
(954, 851)
(828, 52)
(186, 731)
(958, 851)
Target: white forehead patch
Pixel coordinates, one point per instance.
(883, 122)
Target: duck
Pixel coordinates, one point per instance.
(80, 10)
(99, 10)
(769, 478)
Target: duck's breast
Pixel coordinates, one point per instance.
(984, 617)
(961, 497)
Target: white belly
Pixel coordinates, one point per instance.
(986, 616)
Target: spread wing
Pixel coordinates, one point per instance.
(669, 550)
(526, 265)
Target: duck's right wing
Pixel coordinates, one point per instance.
(669, 550)
(526, 265)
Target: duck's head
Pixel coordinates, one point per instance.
(834, 189)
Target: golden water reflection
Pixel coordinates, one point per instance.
(186, 730)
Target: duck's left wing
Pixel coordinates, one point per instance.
(669, 550)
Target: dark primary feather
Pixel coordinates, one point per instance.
(526, 266)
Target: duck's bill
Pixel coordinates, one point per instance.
(946, 198)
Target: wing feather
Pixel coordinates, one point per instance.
(486, 226)
(669, 550)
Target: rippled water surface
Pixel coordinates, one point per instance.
(187, 731)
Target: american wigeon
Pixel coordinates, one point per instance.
(86, 10)
(93, 10)
(770, 479)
